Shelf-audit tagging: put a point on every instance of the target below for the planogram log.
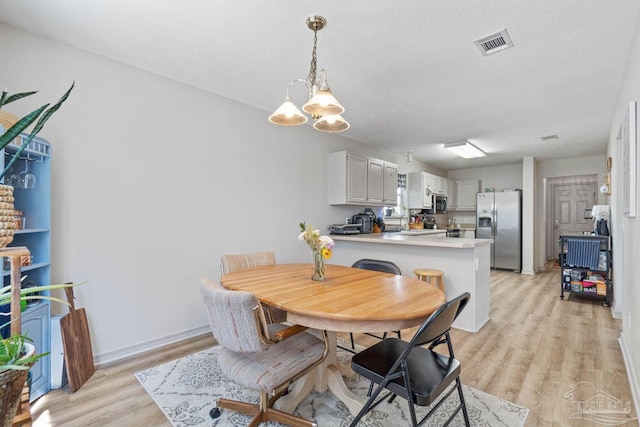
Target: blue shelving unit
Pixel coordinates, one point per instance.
(35, 203)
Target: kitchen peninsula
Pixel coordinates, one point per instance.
(465, 263)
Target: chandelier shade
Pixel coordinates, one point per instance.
(323, 103)
(288, 115)
(322, 106)
(331, 123)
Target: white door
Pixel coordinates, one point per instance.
(569, 204)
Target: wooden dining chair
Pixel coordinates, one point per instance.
(418, 374)
(229, 263)
(263, 357)
(374, 265)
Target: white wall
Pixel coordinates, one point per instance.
(153, 181)
(626, 231)
(497, 177)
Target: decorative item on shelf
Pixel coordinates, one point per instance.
(19, 219)
(7, 221)
(322, 106)
(321, 246)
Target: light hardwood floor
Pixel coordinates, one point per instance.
(531, 352)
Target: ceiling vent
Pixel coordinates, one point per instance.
(494, 43)
(549, 138)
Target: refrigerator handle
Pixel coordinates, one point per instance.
(494, 223)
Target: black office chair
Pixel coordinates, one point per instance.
(408, 370)
(375, 265)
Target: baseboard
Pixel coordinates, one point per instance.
(123, 353)
(615, 314)
(632, 375)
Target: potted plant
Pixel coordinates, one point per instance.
(17, 355)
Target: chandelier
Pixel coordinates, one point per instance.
(322, 106)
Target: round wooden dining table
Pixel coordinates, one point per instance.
(348, 300)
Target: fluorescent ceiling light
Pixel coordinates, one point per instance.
(465, 149)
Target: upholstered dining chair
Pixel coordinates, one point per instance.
(418, 374)
(229, 263)
(263, 357)
(375, 265)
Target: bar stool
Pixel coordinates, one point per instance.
(431, 276)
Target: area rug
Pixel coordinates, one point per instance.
(187, 389)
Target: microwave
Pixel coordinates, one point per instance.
(438, 204)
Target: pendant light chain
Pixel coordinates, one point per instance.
(312, 71)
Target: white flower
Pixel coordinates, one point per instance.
(327, 242)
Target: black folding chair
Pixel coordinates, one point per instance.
(418, 374)
(375, 265)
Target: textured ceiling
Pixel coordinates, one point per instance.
(408, 73)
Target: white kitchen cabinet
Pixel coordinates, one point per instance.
(375, 181)
(446, 187)
(468, 234)
(452, 195)
(390, 184)
(358, 180)
(419, 190)
(439, 184)
(467, 191)
(421, 185)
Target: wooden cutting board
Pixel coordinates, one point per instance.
(76, 342)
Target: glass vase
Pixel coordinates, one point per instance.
(318, 266)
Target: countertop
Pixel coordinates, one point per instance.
(420, 231)
(419, 240)
(461, 226)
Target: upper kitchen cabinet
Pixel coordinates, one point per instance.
(390, 184)
(439, 185)
(466, 196)
(421, 185)
(357, 180)
(452, 195)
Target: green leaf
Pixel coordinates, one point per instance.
(8, 99)
(20, 125)
(42, 115)
(50, 111)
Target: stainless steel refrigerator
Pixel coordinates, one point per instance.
(499, 217)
